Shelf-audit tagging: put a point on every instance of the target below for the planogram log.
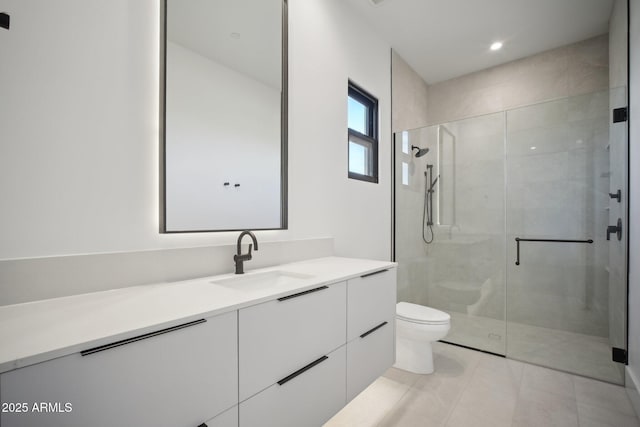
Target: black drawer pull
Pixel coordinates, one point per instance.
(303, 370)
(139, 338)
(299, 294)
(374, 273)
(370, 331)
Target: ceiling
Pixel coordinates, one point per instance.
(443, 39)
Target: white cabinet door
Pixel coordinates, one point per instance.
(369, 356)
(307, 400)
(180, 377)
(371, 312)
(278, 337)
(371, 300)
(228, 418)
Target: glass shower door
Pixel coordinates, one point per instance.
(456, 264)
(559, 299)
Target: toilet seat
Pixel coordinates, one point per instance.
(420, 314)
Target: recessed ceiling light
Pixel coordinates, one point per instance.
(533, 148)
(496, 46)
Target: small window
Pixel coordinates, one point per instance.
(363, 135)
(405, 173)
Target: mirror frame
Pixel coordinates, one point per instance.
(284, 110)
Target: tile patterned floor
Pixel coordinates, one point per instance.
(566, 351)
(474, 389)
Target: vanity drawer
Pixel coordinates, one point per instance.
(369, 356)
(371, 300)
(277, 337)
(173, 377)
(308, 399)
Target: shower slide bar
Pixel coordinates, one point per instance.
(518, 240)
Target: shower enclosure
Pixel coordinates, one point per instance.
(520, 206)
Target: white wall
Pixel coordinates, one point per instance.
(221, 126)
(79, 120)
(633, 370)
(328, 46)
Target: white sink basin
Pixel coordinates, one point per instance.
(256, 281)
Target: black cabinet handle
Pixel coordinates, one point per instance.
(302, 370)
(299, 294)
(370, 331)
(374, 273)
(139, 338)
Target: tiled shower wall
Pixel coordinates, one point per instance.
(462, 270)
(409, 111)
(566, 71)
(409, 96)
(474, 252)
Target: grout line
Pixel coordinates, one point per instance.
(519, 394)
(391, 410)
(575, 398)
(465, 387)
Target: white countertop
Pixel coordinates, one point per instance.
(37, 331)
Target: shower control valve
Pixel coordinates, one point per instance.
(616, 195)
(617, 229)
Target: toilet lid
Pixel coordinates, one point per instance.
(420, 314)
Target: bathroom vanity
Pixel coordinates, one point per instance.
(282, 346)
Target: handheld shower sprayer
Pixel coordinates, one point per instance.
(433, 184)
(427, 212)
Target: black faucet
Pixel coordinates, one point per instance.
(239, 258)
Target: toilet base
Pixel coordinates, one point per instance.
(414, 356)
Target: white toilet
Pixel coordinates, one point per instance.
(417, 327)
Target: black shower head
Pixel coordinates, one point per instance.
(421, 151)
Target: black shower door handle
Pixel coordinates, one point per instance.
(519, 239)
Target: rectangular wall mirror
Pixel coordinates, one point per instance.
(224, 115)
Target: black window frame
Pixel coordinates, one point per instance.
(371, 137)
